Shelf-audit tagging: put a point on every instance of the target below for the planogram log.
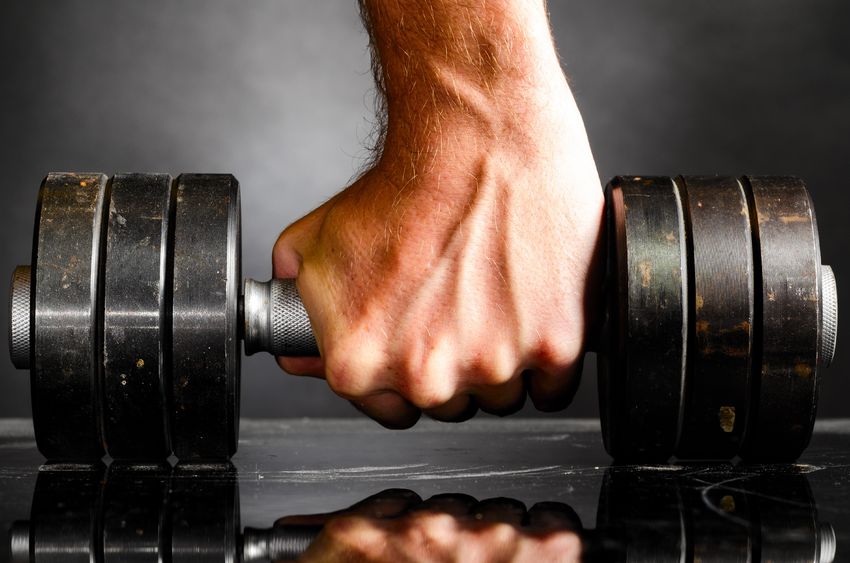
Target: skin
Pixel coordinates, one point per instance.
(460, 270)
(396, 525)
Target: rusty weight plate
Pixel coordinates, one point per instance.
(787, 318)
(642, 361)
(720, 312)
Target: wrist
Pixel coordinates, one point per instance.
(540, 128)
(485, 64)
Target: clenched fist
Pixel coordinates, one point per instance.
(460, 270)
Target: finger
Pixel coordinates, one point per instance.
(461, 408)
(389, 410)
(500, 510)
(389, 503)
(553, 516)
(308, 366)
(453, 504)
(553, 390)
(504, 399)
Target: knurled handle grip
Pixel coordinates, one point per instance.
(280, 543)
(19, 317)
(275, 320)
(829, 316)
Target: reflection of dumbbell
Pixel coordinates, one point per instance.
(710, 514)
(130, 513)
(153, 513)
(719, 317)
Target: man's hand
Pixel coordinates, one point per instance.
(461, 270)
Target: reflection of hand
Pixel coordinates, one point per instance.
(460, 270)
(395, 526)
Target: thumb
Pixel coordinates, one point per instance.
(296, 239)
(290, 247)
(292, 243)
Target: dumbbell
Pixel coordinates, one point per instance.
(718, 317)
(192, 513)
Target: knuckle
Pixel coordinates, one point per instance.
(337, 376)
(348, 373)
(549, 356)
(429, 396)
(494, 376)
(343, 525)
(427, 384)
(565, 543)
(555, 350)
(500, 533)
(434, 526)
(429, 392)
(492, 367)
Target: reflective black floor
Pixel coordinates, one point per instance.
(486, 489)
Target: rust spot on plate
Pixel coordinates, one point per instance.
(803, 370)
(645, 268)
(736, 351)
(726, 416)
(743, 326)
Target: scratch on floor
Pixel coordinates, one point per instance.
(391, 473)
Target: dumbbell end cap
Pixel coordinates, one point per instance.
(829, 316)
(826, 543)
(19, 541)
(275, 320)
(19, 317)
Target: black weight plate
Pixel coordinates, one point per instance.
(135, 520)
(65, 514)
(786, 333)
(205, 345)
(135, 365)
(205, 523)
(66, 361)
(720, 307)
(641, 364)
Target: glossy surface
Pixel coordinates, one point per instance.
(300, 467)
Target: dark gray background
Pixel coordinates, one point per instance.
(278, 92)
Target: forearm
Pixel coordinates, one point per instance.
(485, 64)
